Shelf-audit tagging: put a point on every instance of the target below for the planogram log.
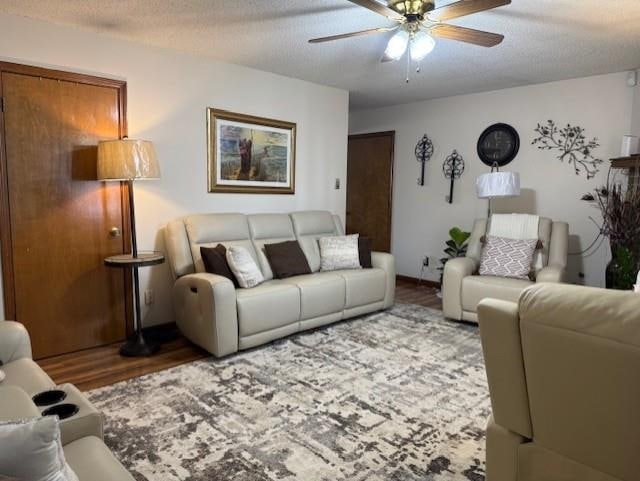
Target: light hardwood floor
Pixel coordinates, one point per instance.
(102, 366)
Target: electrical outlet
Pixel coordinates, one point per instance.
(425, 261)
(149, 297)
(337, 184)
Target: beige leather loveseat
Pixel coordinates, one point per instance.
(563, 368)
(462, 289)
(81, 435)
(214, 315)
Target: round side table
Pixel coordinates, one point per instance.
(136, 346)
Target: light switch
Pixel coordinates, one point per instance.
(337, 187)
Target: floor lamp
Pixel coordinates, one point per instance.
(497, 184)
(128, 160)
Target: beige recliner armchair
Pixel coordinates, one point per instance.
(462, 289)
(82, 442)
(562, 367)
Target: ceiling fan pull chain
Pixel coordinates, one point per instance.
(408, 66)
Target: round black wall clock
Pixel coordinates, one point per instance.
(498, 145)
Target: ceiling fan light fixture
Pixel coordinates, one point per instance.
(421, 45)
(397, 45)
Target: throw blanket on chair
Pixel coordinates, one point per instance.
(517, 226)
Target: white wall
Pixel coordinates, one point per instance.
(168, 93)
(421, 217)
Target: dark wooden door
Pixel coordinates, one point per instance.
(369, 187)
(56, 217)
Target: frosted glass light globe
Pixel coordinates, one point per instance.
(397, 45)
(421, 45)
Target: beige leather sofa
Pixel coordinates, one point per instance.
(82, 437)
(462, 289)
(563, 368)
(223, 320)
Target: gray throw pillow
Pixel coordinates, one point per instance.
(31, 449)
(504, 257)
(243, 266)
(339, 252)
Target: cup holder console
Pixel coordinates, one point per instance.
(47, 398)
(63, 411)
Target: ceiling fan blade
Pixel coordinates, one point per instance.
(352, 34)
(464, 7)
(468, 35)
(379, 8)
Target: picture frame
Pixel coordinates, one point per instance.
(249, 154)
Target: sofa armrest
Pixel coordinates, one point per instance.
(500, 335)
(14, 342)
(16, 404)
(206, 313)
(551, 273)
(454, 271)
(387, 263)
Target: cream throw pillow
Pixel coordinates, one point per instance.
(31, 450)
(244, 267)
(339, 252)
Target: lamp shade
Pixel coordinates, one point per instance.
(498, 184)
(127, 159)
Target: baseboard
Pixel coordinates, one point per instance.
(424, 282)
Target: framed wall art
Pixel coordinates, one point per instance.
(250, 155)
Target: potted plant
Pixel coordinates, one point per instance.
(456, 247)
(620, 208)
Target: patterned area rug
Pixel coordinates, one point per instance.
(399, 395)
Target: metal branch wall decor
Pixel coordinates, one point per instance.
(572, 145)
(453, 168)
(423, 151)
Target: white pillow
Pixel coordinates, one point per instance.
(244, 267)
(339, 252)
(31, 449)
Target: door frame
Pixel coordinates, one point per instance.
(392, 135)
(6, 252)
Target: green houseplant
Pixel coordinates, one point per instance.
(456, 247)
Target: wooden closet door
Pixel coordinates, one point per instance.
(60, 216)
(369, 187)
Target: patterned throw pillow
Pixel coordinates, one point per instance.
(504, 257)
(339, 252)
(243, 266)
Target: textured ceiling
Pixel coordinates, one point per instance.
(545, 40)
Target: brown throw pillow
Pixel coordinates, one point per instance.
(215, 262)
(364, 252)
(286, 259)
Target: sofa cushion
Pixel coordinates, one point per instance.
(308, 227)
(244, 267)
(209, 230)
(363, 286)
(32, 450)
(286, 259)
(92, 460)
(339, 252)
(269, 229)
(215, 262)
(27, 375)
(267, 306)
(476, 288)
(364, 252)
(504, 257)
(321, 293)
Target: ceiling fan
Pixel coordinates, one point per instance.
(419, 21)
